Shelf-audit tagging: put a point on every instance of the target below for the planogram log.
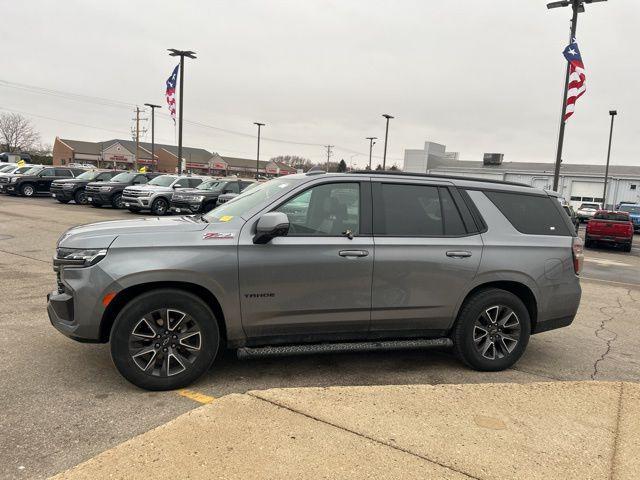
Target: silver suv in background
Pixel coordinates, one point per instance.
(155, 196)
(316, 263)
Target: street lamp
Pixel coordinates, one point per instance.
(386, 137)
(578, 7)
(260, 125)
(153, 129)
(181, 54)
(371, 144)
(613, 113)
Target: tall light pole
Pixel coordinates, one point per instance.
(613, 113)
(153, 130)
(181, 54)
(578, 7)
(386, 137)
(260, 125)
(371, 144)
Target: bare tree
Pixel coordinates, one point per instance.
(294, 161)
(17, 133)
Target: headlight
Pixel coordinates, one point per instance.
(106, 189)
(14, 179)
(78, 257)
(143, 194)
(67, 186)
(193, 198)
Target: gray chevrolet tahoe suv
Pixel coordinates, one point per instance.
(318, 262)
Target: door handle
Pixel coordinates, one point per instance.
(353, 253)
(458, 254)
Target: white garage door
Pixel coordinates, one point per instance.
(586, 192)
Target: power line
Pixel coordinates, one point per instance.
(121, 104)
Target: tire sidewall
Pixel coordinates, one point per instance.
(116, 200)
(464, 329)
(80, 197)
(154, 206)
(25, 188)
(147, 302)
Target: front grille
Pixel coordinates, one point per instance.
(222, 200)
(135, 193)
(4, 179)
(91, 188)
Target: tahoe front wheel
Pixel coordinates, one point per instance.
(27, 190)
(159, 206)
(164, 339)
(492, 330)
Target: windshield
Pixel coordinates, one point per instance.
(595, 206)
(7, 168)
(251, 198)
(88, 175)
(635, 209)
(22, 169)
(211, 185)
(163, 181)
(32, 171)
(124, 177)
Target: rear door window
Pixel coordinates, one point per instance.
(194, 182)
(530, 214)
(48, 172)
(63, 172)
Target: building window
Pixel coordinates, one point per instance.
(633, 187)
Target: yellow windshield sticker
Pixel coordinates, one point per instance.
(226, 218)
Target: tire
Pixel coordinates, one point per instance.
(27, 190)
(626, 248)
(476, 317)
(80, 197)
(159, 207)
(116, 201)
(138, 353)
(62, 201)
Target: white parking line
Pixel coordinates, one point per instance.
(607, 263)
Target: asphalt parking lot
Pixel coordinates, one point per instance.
(62, 402)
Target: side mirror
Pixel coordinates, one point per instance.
(271, 225)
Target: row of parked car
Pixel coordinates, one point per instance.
(154, 192)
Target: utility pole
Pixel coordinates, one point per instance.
(329, 153)
(578, 7)
(153, 130)
(613, 113)
(371, 144)
(386, 136)
(181, 54)
(135, 163)
(260, 125)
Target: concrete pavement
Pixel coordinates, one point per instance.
(568, 430)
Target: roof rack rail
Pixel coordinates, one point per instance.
(435, 175)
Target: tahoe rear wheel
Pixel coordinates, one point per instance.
(28, 190)
(492, 330)
(159, 206)
(164, 339)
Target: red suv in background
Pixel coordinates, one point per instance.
(611, 227)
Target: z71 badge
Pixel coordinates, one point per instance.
(217, 235)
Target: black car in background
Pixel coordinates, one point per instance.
(110, 192)
(38, 180)
(204, 197)
(65, 190)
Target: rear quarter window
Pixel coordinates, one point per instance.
(531, 214)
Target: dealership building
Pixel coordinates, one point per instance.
(578, 182)
(121, 155)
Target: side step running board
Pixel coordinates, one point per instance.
(345, 347)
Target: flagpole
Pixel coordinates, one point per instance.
(574, 24)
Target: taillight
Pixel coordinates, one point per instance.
(577, 249)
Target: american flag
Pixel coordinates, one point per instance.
(171, 92)
(577, 77)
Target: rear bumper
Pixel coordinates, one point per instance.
(609, 239)
(553, 324)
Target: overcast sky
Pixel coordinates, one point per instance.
(478, 76)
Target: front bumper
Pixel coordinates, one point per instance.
(98, 198)
(186, 207)
(10, 188)
(61, 194)
(137, 202)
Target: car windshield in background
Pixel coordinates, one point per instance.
(635, 209)
(32, 171)
(211, 185)
(593, 206)
(88, 175)
(616, 216)
(251, 198)
(124, 177)
(163, 181)
(7, 168)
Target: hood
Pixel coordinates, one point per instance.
(110, 184)
(70, 180)
(146, 186)
(102, 234)
(196, 191)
